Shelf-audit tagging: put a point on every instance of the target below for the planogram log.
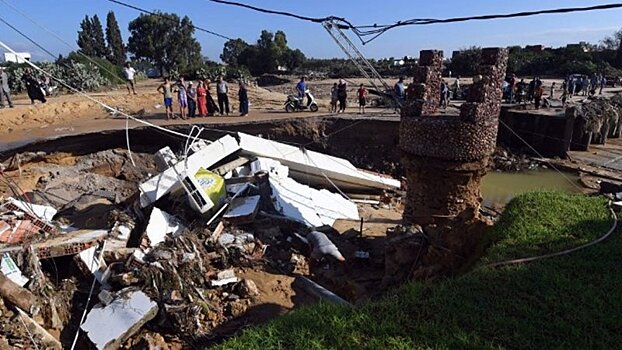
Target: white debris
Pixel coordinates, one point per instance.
(11, 271)
(91, 259)
(43, 212)
(168, 181)
(109, 326)
(303, 203)
(165, 158)
(162, 224)
(224, 277)
(314, 167)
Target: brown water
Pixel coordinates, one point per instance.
(500, 188)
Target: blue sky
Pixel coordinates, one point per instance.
(63, 17)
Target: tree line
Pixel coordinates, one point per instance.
(584, 58)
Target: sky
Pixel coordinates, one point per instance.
(63, 18)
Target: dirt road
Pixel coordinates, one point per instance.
(74, 114)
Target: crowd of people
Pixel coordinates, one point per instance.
(197, 101)
(516, 91)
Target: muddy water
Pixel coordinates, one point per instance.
(500, 188)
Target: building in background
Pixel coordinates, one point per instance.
(18, 57)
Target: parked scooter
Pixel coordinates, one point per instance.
(294, 103)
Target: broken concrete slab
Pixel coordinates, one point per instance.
(315, 167)
(68, 244)
(168, 181)
(242, 210)
(108, 327)
(302, 203)
(162, 224)
(43, 212)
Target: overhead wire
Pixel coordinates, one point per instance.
(379, 30)
(140, 9)
(375, 30)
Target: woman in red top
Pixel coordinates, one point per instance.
(201, 100)
(362, 93)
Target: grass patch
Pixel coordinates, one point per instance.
(568, 302)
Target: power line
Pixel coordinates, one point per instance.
(375, 30)
(27, 38)
(161, 15)
(273, 12)
(379, 30)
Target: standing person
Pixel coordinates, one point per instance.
(33, 87)
(531, 89)
(212, 108)
(537, 95)
(400, 91)
(182, 98)
(333, 98)
(362, 94)
(512, 88)
(301, 89)
(222, 89)
(167, 92)
(129, 73)
(444, 94)
(564, 95)
(191, 96)
(457, 90)
(201, 99)
(552, 93)
(5, 91)
(585, 83)
(603, 82)
(342, 95)
(243, 99)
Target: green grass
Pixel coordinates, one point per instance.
(568, 302)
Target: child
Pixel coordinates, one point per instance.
(362, 93)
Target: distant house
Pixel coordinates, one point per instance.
(19, 57)
(534, 48)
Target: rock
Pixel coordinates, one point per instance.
(247, 289)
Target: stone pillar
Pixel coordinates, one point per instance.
(445, 157)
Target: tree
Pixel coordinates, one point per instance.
(293, 59)
(165, 41)
(85, 35)
(232, 51)
(99, 42)
(465, 63)
(115, 43)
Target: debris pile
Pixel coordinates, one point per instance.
(596, 119)
(99, 254)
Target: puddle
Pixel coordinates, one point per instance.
(500, 188)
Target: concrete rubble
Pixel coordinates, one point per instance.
(191, 250)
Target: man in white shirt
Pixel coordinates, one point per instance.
(223, 99)
(129, 73)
